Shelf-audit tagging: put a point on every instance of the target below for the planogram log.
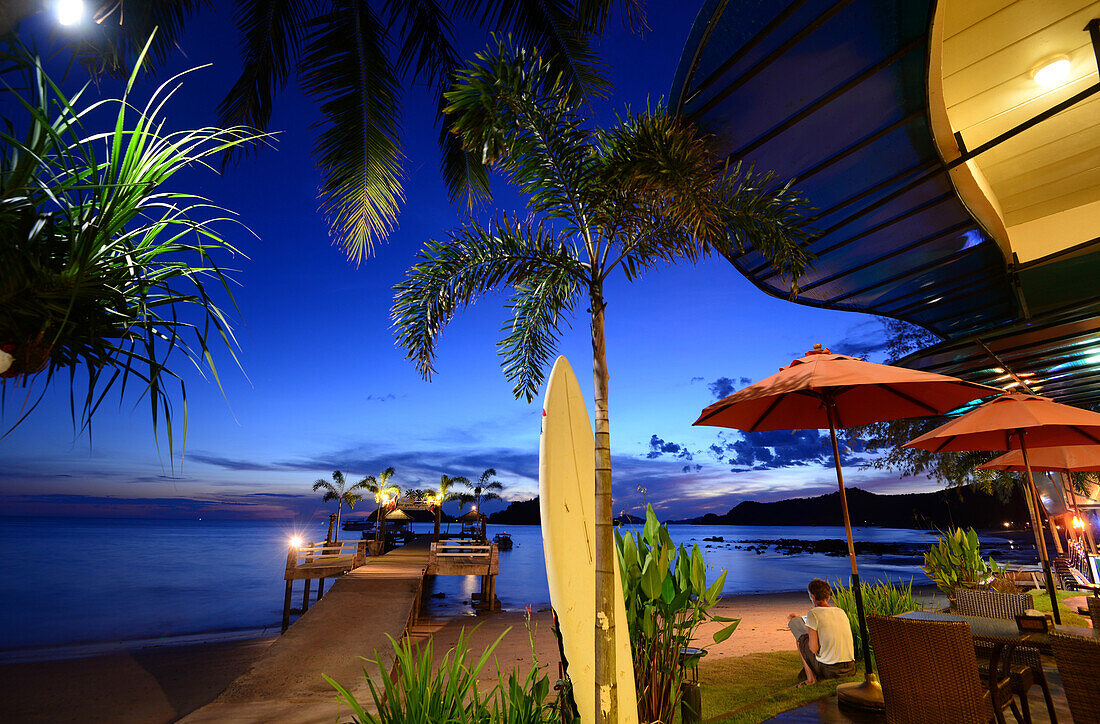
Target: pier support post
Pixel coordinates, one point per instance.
(305, 597)
(320, 588)
(286, 607)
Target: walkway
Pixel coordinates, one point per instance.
(349, 622)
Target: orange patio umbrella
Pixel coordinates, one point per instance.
(1064, 460)
(1067, 459)
(1017, 421)
(826, 390)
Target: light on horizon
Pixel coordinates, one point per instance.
(68, 12)
(1051, 72)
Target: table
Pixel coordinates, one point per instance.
(1004, 631)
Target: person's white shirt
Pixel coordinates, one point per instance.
(834, 634)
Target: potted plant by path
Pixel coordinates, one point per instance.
(955, 561)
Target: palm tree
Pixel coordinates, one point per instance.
(483, 490)
(641, 194)
(444, 489)
(106, 267)
(381, 488)
(337, 491)
(353, 57)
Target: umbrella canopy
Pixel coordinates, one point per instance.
(1068, 459)
(1018, 421)
(1000, 424)
(822, 390)
(470, 516)
(861, 392)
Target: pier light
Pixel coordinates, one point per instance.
(296, 541)
(1077, 522)
(68, 12)
(1007, 524)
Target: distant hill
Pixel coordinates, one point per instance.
(523, 512)
(963, 507)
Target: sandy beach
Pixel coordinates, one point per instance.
(163, 683)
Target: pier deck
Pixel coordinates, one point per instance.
(349, 622)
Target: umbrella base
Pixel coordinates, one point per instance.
(865, 695)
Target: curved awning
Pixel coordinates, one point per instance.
(836, 94)
(833, 94)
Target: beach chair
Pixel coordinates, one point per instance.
(1025, 666)
(1078, 661)
(929, 674)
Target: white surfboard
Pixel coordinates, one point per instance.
(567, 500)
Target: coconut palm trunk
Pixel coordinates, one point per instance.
(607, 709)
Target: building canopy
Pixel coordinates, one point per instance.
(952, 190)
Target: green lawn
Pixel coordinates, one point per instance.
(756, 687)
(1069, 617)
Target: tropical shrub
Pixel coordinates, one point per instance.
(104, 268)
(955, 561)
(417, 694)
(880, 599)
(667, 598)
(525, 701)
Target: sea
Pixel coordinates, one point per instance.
(74, 587)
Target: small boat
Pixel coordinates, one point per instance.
(503, 541)
(362, 524)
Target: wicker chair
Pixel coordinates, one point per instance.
(1026, 667)
(1078, 662)
(1094, 611)
(929, 674)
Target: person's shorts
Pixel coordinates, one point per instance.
(821, 671)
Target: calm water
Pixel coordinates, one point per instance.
(103, 581)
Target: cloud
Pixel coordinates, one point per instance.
(721, 387)
(866, 339)
(771, 450)
(382, 398)
(697, 379)
(658, 447)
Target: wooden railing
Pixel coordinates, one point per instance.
(322, 560)
(463, 556)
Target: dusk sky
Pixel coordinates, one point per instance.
(323, 386)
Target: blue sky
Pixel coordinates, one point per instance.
(325, 388)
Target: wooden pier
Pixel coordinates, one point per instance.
(370, 598)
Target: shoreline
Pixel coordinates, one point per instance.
(92, 649)
(162, 682)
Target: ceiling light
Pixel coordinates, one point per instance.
(1051, 72)
(69, 12)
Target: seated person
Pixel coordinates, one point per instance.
(824, 637)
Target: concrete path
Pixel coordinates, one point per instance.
(349, 622)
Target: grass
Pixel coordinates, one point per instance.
(756, 687)
(1070, 617)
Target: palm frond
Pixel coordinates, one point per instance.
(539, 307)
(770, 217)
(452, 275)
(595, 15)
(553, 28)
(509, 107)
(271, 36)
(122, 29)
(348, 71)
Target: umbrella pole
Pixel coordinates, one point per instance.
(869, 693)
(1037, 525)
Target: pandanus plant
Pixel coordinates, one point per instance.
(105, 269)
